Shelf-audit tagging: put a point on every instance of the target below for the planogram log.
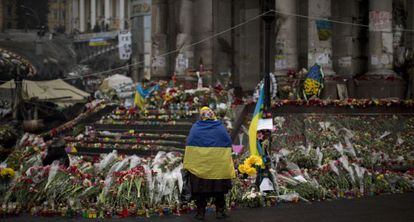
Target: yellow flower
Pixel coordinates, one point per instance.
(380, 177)
(311, 87)
(242, 168)
(248, 161)
(250, 164)
(254, 161)
(259, 162)
(7, 172)
(251, 171)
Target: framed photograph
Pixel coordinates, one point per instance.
(342, 91)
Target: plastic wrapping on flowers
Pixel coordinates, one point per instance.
(317, 157)
(110, 185)
(343, 156)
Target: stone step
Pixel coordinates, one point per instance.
(138, 152)
(144, 137)
(161, 120)
(161, 142)
(180, 129)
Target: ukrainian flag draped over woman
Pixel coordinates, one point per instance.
(208, 149)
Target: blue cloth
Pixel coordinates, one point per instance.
(208, 151)
(315, 73)
(208, 133)
(323, 24)
(145, 93)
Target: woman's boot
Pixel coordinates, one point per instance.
(200, 214)
(221, 213)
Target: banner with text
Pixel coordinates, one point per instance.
(125, 45)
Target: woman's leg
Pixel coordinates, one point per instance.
(201, 202)
(220, 202)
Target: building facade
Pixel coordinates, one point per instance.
(359, 43)
(57, 13)
(8, 15)
(23, 14)
(98, 15)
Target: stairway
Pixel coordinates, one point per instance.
(134, 134)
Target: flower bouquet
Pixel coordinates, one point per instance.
(253, 199)
(251, 165)
(128, 191)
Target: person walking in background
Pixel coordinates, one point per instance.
(209, 162)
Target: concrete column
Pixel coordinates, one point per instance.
(115, 8)
(203, 28)
(286, 40)
(82, 22)
(319, 51)
(121, 14)
(75, 14)
(349, 41)
(98, 9)
(1, 15)
(59, 12)
(381, 57)
(410, 24)
(108, 11)
(159, 37)
(93, 13)
(248, 53)
(223, 45)
(184, 36)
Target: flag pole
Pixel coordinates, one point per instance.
(268, 7)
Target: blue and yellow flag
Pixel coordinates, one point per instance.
(258, 111)
(141, 94)
(208, 151)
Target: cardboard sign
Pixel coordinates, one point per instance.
(266, 185)
(265, 124)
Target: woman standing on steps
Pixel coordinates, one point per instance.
(209, 162)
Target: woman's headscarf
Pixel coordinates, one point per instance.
(207, 114)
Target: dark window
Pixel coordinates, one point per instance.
(9, 10)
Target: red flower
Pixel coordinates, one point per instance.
(124, 213)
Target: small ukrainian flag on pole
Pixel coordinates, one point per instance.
(258, 112)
